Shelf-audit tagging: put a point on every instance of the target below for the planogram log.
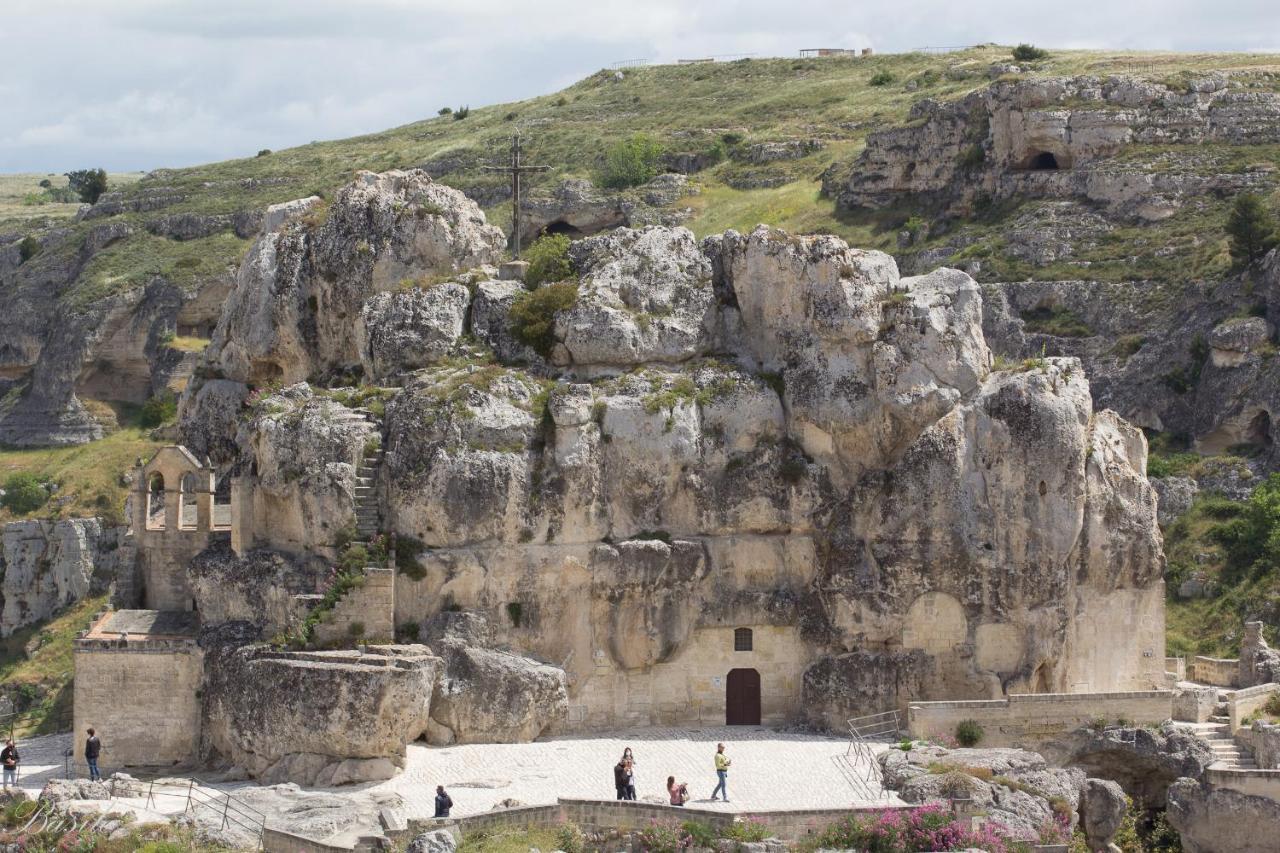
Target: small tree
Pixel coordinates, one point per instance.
(90, 184)
(968, 733)
(444, 111)
(461, 112)
(1028, 53)
(158, 410)
(533, 314)
(632, 161)
(23, 493)
(882, 78)
(548, 259)
(1251, 228)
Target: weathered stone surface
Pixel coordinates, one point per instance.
(49, 565)
(208, 417)
(1232, 340)
(1175, 495)
(258, 589)
(299, 293)
(436, 841)
(1021, 792)
(1259, 663)
(1102, 806)
(1215, 820)
(411, 328)
(316, 718)
(1143, 762)
(485, 695)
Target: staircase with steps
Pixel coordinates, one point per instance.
(368, 516)
(1229, 754)
(181, 376)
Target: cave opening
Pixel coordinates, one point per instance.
(1044, 161)
(562, 227)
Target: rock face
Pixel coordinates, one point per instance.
(1214, 820)
(1143, 762)
(490, 696)
(1055, 138)
(300, 293)
(1259, 663)
(316, 718)
(577, 208)
(1024, 793)
(755, 457)
(1103, 806)
(49, 565)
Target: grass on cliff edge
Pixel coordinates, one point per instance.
(688, 108)
(89, 476)
(36, 667)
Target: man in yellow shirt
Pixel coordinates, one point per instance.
(722, 771)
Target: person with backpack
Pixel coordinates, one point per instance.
(443, 802)
(722, 772)
(9, 758)
(92, 749)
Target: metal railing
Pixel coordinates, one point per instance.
(22, 725)
(863, 768)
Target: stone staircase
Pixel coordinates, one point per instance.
(368, 515)
(1228, 752)
(181, 376)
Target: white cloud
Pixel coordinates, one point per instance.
(141, 83)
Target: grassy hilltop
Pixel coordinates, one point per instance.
(687, 108)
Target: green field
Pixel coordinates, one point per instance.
(21, 196)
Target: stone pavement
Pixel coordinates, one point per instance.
(771, 770)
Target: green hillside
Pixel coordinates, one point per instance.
(699, 108)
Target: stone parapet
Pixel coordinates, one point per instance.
(1220, 672)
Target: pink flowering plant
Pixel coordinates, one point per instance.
(920, 830)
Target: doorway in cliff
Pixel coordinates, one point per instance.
(742, 698)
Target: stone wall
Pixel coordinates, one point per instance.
(1220, 672)
(364, 613)
(1264, 739)
(162, 731)
(1255, 783)
(1026, 720)
(1247, 702)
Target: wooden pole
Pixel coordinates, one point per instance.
(516, 168)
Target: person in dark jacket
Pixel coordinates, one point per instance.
(92, 749)
(9, 758)
(620, 779)
(443, 802)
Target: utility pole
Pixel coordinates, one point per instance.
(516, 169)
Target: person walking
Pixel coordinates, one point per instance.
(9, 758)
(679, 794)
(722, 773)
(443, 802)
(92, 749)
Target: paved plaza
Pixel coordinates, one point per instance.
(771, 770)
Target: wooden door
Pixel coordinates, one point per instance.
(742, 698)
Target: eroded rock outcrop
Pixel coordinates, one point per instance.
(300, 292)
(490, 696)
(49, 565)
(1214, 820)
(316, 718)
(1142, 761)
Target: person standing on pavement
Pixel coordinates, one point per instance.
(92, 749)
(722, 773)
(629, 762)
(9, 758)
(443, 802)
(620, 779)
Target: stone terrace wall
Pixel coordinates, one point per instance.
(605, 815)
(112, 676)
(1246, 702)
(1256, 783)
(1026, 720)
(370, 606)
(1220, 672)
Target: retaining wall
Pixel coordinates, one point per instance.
(1220, 672)
(1256, 783)
(1025, 720)
(1247, 702)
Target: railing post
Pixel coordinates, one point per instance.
(190, 783)
(225, 805)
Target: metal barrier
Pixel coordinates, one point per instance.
(24, 721)
(864, 770)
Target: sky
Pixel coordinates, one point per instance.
(140, 84)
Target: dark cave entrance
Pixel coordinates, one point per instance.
(1044, 161)
(562, 227)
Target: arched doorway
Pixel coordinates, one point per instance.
(742, 698)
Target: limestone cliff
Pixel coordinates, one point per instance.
(759, 453)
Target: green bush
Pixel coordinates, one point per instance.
(548, 259)
(89, 184)
(1251, 229)
(630, 162)
(747, 831)
(1056, 320)
(1029, 53)
(461, 112)
(264, 152)
(28, 248)
(444, 111)
(23, 493)
(882, 78)
(702, 834)
(570, 838)
(968, 733)
(158, 410)
(533, 314)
